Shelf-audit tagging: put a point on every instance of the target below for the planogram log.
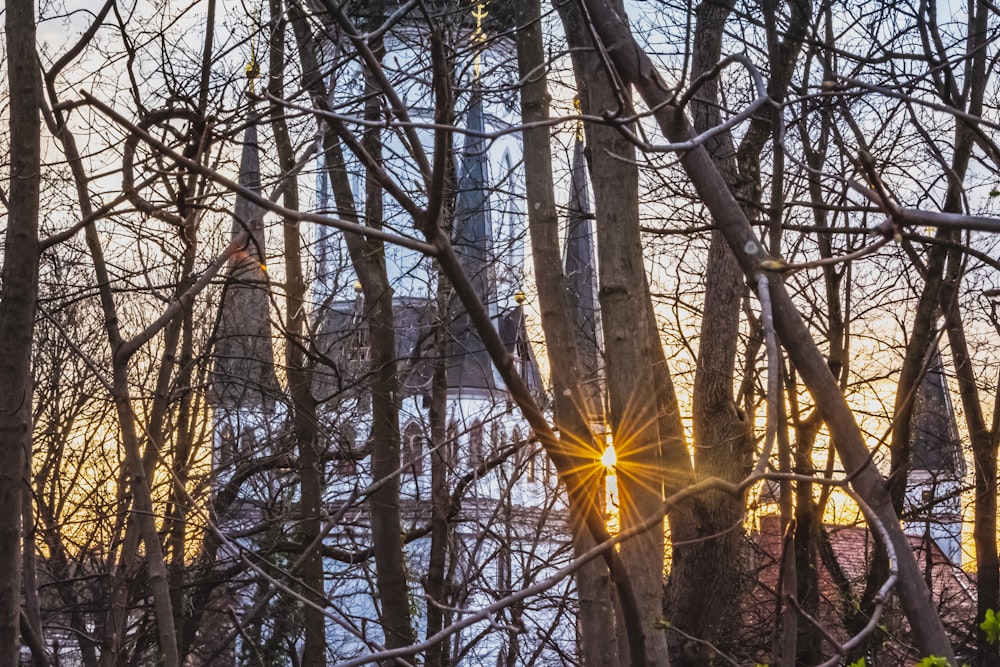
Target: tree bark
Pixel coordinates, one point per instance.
(299, 377)
(596, 616)
(17, 306)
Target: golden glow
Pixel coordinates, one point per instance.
(609, 459)
(612, 520)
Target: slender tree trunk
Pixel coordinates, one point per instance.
(984, 442)
(368, 258)
(32, 611)
(596, 616)
(299, 377)
(437, 586)
(17, 306)
(808, 513)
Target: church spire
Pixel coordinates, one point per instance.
(244, 363)
(936, 446)
(581, 276)
(473, 240)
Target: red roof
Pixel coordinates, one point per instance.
(852, 548)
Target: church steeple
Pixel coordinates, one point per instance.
(581, 277)
(936, 447)
(473, 239)
(473, 231)
(244, 374)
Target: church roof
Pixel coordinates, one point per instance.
(844, 558)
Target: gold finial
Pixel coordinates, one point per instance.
(357, 287)
(520, 297)
(252, 69)
(478, 37)
(579, 121)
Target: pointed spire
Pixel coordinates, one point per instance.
(936, 446)
(473, 240)
(244, 362)
(581, 277)
(473, 233)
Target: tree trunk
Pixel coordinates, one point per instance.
(17, 306)
(437, 584)
(596, 616)
(984, 443)
(299, 377)
(368, 258)
(703, 583)
(629, 348)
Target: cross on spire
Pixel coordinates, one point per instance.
(479, 36)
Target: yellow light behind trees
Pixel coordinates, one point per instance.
(609, 458)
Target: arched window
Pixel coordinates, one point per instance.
(451, 446)
(476, 443)
(413, 447)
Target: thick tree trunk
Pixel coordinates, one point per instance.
(703, 583)
(17, 306)
(629, 347)
(596, 616)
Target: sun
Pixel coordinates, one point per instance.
(609, 459)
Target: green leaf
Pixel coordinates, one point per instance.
(991, 626)
(860, 662)
(933, 661)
